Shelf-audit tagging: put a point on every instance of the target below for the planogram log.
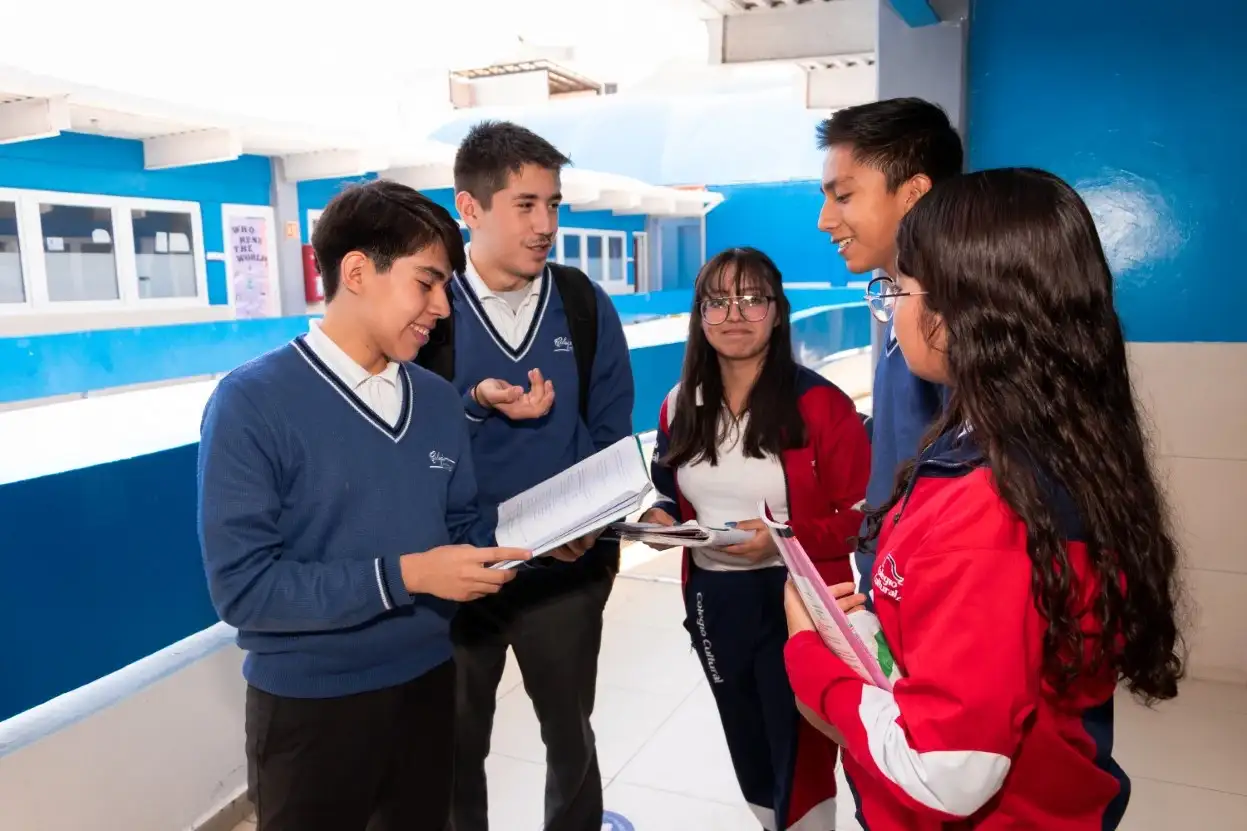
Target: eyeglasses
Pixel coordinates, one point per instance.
(882, 294)
(752, 307)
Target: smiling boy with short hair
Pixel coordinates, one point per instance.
(883, 157)
(335, 478)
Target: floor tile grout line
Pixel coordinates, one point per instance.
(739, 802)
(657, 730)
(1138, 778)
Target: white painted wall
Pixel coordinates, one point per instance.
(1199, 427)
(18, 325)
(165, 758)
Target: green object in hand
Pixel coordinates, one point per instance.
(886, 662)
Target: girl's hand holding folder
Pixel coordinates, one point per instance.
(799, 619)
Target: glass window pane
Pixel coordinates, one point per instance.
(12, 288)
(164, 254)
(78, 250)
(596, 269)
(571, 250)
(618, 269)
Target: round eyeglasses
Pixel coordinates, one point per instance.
(752, 308)
(882, 294)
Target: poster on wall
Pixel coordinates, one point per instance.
(248, 240)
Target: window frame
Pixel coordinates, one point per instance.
(620, 286)
(125, 259)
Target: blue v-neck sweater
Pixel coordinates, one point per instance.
(512, 456)
(307, 500)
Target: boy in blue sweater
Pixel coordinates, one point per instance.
(515, 322)
(336, 494)
(881, 159)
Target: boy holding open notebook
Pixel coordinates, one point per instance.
(335, 478)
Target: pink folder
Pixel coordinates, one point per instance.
(832, 624)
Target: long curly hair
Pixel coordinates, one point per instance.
(1016, 277)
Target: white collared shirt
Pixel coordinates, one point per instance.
(382, 393)
(511, 324)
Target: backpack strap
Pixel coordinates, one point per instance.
(580, 302)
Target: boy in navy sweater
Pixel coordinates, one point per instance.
(336, 494)
(881, 159)
(511, 325)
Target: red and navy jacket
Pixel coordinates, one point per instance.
(972, 737)
(825, 479)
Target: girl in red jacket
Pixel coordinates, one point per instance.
(747, 424)
(1024, 566)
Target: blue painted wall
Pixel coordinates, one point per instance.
(116, 573)
(41, 366)
(110, 573)
(1153, 144)
(80, 163)
(780, 218)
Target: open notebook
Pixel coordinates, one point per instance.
(586, 497)
(688, 535)
(855, 639)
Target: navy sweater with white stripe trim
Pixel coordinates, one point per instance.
(307, 501)
(520, 454)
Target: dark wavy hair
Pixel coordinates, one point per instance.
(697, 431)
(1016, 277)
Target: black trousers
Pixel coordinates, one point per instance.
(786, 771)
(377, 761)
(552, 619)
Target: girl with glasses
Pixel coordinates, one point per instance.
(1025, 565)
(748, 424)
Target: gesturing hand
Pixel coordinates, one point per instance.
(757, 549)
(512, 401)
(459, 572)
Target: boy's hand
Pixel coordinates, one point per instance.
(459, 572)
(574, 550)
(512, 401)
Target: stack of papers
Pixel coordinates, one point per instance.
(585, 498)
(688, 535)
(856, 638)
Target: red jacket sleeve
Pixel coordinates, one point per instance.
(842, 465)
(943, 739)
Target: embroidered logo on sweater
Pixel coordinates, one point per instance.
(562, 344)
(439, 462)
(888, 581)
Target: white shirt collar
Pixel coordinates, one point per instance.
(483, 291)
(342, 364)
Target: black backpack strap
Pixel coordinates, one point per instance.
(580, 302)
(438, 355)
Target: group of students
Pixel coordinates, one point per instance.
(349, 483)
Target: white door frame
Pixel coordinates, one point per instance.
(266, 213)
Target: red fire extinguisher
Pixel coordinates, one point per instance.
(313, 287)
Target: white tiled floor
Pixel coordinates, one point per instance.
(666, 766)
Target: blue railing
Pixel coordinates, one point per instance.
(100, 566)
